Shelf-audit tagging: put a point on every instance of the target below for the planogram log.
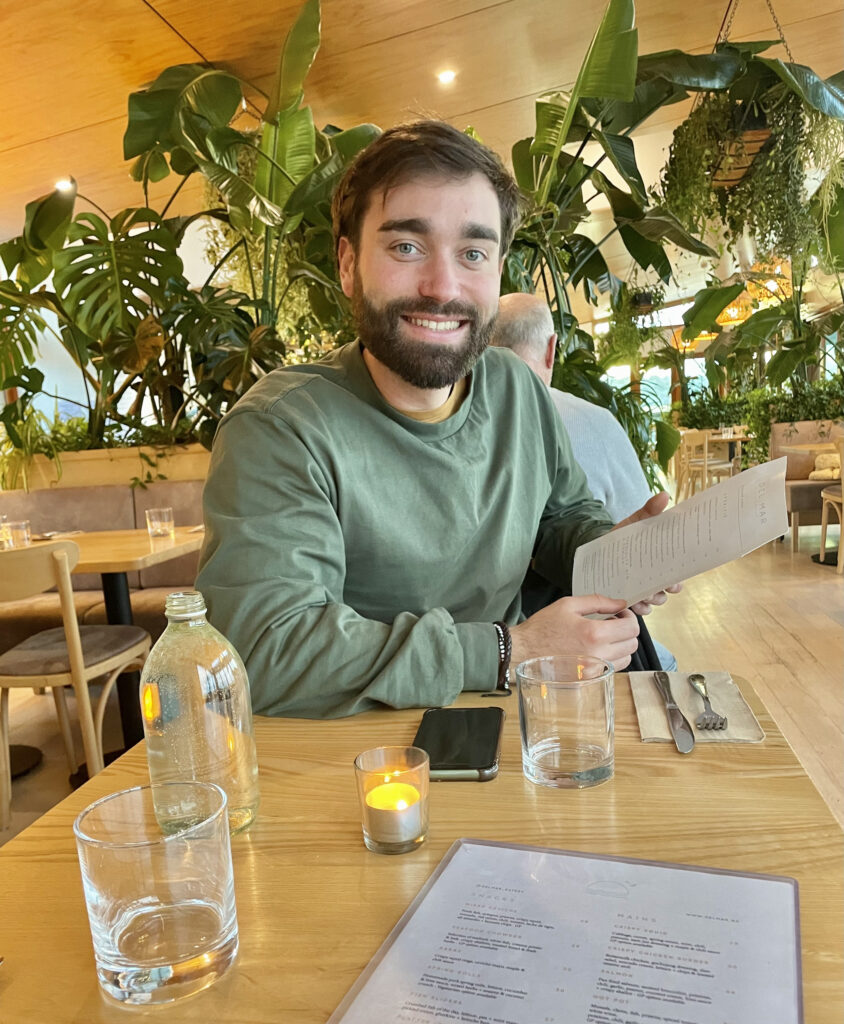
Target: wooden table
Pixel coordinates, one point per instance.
(314, 904)
(113, 554)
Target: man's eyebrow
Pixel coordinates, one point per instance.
(421, 226)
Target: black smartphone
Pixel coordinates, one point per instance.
(462, 743)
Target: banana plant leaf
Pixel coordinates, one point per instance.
(659, 225)
(117, 271)
(825, 96)
(759, 328)
(297, 55)
(608, 72)
(290, 144)
(624, 115)
(619, 149)
(709, 302)
(782, 364)
(318, 186)
(692, 71)
(645, 252)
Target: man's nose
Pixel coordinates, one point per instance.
(439, 279)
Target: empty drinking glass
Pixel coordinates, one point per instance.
(17, 534)
(160, 522)
(160, 895)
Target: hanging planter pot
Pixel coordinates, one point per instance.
(745, 139)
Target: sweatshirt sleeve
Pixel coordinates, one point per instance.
(272, 573)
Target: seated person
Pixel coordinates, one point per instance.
(370, 517)
(599, 442)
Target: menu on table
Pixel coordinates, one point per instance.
(504, 934)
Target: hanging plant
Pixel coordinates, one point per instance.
(740, 160)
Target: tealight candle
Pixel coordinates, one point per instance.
(392, 813)
(393, 790)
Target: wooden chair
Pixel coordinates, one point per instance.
(71, 655)
(832, 499)
(697, 465)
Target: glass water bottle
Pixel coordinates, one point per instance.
(197, 712)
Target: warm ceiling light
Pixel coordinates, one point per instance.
(446, 77)
(63, 185)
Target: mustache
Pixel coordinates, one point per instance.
(454, 308)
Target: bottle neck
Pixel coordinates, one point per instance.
(185, 607)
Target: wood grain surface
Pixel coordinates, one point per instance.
(314, 905)
(127, 550)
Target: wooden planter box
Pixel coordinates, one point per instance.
(113, 466)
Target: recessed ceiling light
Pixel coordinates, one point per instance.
(64, 185)
(446, 77)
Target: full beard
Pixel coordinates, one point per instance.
(420, 363)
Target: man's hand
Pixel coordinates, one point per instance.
(652, 507)
(562, 628)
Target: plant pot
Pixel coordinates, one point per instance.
(110, 466)
(738, 156)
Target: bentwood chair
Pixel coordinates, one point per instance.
(832, 499)
(71, 655)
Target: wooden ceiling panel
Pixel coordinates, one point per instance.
(72, 65)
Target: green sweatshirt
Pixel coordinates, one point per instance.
(357, 558)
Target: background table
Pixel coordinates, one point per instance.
(314, 905)
(113, 554)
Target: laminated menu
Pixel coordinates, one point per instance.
(710, 528)
(505, 934)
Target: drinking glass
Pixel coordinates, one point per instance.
(393, 791)
(160, 523)
(159, 894)
(566, 718)
(17, 534)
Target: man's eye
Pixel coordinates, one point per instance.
(405, 248)
(475, 255)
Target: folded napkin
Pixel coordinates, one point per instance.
(724, 695)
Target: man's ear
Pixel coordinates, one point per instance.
(551, 352)
(346, 266)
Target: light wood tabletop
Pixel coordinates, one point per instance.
(314, 905)
(809, 448)
(129, 550)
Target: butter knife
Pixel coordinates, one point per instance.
(677, 722)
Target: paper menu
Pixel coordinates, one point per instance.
(710, 528)
(521, 935)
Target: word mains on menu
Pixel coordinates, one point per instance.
(521, 935)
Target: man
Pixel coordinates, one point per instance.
(369, 518)
(599, 442)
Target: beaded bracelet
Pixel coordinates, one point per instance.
(505, 649)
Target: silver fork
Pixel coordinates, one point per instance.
(708, 719)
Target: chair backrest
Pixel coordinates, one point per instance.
(28, 571)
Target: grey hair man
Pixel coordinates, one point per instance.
(599, 442)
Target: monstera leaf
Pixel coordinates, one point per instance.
(21, 323)
(117, 272)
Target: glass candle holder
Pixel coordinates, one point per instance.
(393, 790)
(160, 523)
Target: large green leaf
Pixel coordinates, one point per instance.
(667, 442)
(783, 363)
(21, 325)
(660, 225)
(709, 302)
(292, 145)
(645, 252)
(117, 271)
(318, 186)
(619, 148)
(759, 327)
(608, 72)
(832, 229)
(697, 71)
(623, 115)
(552, 110)
(824, 96)
(48, 218)
(297, 56)
(240, 196)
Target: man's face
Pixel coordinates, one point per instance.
(424, 279)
